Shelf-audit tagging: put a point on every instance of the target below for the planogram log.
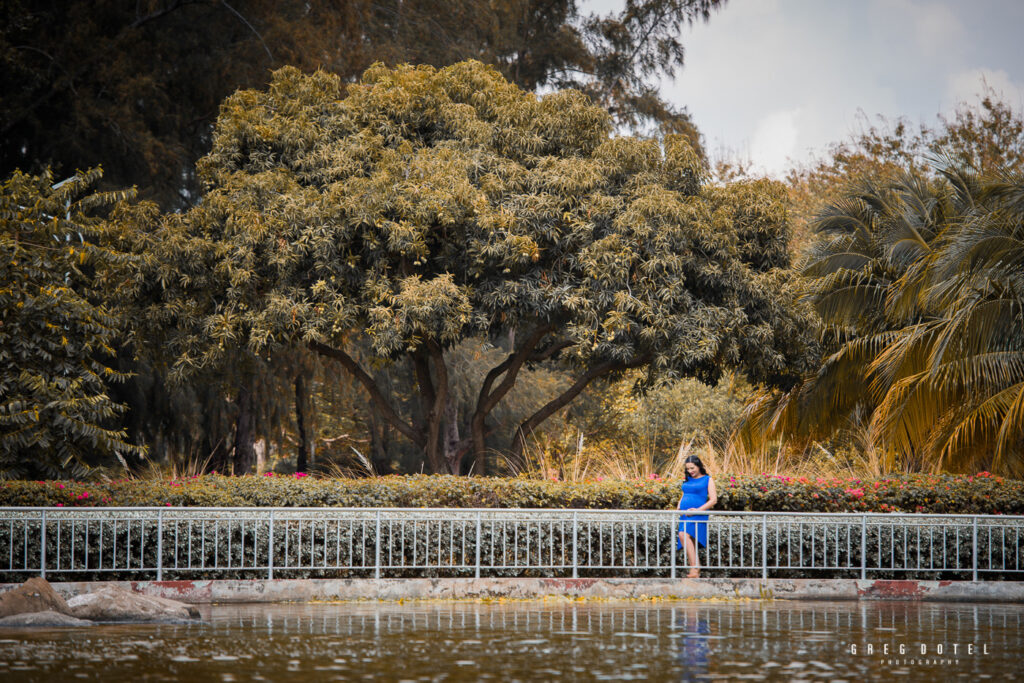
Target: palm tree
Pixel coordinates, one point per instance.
(920, 289)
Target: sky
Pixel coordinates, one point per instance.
(774, 82)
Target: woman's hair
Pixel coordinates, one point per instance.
(696, 461)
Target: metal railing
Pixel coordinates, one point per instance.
(164, 543)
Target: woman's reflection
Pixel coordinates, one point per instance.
(694, 645)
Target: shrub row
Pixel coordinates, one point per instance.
(948, 494)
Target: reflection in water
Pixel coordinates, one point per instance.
(693, 645)
(533, 641)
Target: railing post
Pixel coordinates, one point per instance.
(42, 545)
(270, 546)
(974, 550)
(863, 546)
(376, 549)
(479, 542)
(160, 545)
(674, 535)
(764, 547)
(575, 544)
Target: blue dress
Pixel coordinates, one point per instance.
(695, 494)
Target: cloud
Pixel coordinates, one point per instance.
(935, 29)
(769, 80)
(774, 140)
(968, 84)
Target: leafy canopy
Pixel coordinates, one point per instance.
(430, 206)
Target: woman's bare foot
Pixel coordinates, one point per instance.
(694, 574)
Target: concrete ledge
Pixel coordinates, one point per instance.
(309, 590)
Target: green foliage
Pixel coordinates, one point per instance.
(429, 207)
(134, 86)
(947, 494)
(617, 417)
(56, 261)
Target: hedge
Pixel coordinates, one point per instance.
(946, 494)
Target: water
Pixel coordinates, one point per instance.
(664, 640)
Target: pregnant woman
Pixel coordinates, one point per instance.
(698, 494)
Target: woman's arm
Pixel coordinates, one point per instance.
(712, 496)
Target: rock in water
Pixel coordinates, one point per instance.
(113, 603)
(41, 619)
(35, 595)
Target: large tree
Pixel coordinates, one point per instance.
(135, 86)
(431, 206)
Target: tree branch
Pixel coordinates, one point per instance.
(556, 404)
(510, 368)
(371, 387)
(159, 13)
(246, 22)
(70, 78)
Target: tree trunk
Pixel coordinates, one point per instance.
(302, 457)
(431, 407)
(452, 451)
(380, 433)
(244, 456)
(443, 449)
(438, 397)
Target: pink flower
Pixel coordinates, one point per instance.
(300, 475)
(167, 504)
(60, 505)
(268, 474)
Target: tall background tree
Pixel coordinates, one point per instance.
(136, 86)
